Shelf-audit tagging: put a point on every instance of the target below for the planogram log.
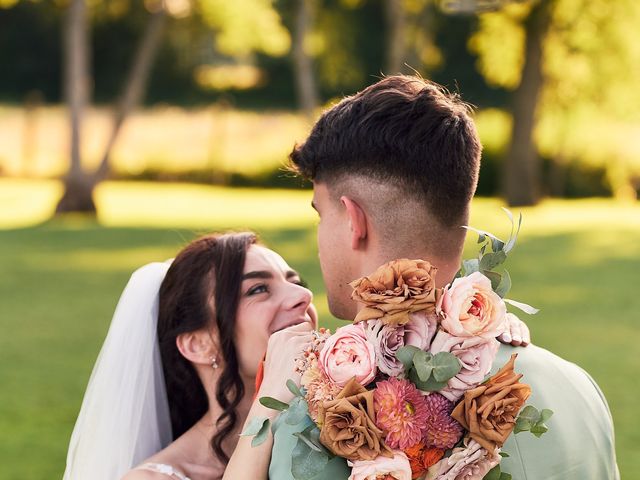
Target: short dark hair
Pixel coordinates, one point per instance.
(404, 130)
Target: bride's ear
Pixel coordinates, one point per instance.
(357, 221)
(198, 347)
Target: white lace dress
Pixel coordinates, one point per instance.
(164, 469)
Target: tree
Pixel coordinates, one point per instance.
(307, 90)
(79, 184)
(241, 27)
(572, 67)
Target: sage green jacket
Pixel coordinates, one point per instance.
(578, 446)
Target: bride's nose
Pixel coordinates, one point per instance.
(297, 296)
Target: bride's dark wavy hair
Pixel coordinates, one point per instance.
(202, 289)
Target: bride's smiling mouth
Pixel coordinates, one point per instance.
(289, 323)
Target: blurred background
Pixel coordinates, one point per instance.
(128, 127)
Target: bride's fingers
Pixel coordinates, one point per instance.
(526, 334)
(505, 337)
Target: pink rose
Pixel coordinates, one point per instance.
(476, 355)
(347, 354)
(397, 467)
(471, 308)
(469, 463)
(388, 338)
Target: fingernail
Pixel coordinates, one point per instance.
(506, 337)
(517, 339)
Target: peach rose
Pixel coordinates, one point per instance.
(397, 468)
(471, 308)
(347, 425)
(395, 290)
(347, 354)
(489, 411)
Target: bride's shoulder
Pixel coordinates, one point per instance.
(139, 474)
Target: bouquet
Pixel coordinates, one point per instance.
(402, 393)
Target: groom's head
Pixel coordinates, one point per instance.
(394, 168)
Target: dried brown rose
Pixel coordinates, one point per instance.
(347, 425)
(489, 411)
(395, 290)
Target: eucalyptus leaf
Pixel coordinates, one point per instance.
(545, 414)
(405, 355)
(495, 278)
(522, 425)
(273, 404)
(493, 474)
(481, 232)
(297, 411)
(505, 476)
(306, 462)
(255, 425)
(505, 284)
(293, 388)
(522, 306)
(261, 436)
(308, 441)
(492, 260)
(497, 245)
(504, 454)
(530, 413)
(514, 236)
(430, 385)
(445, 366)
(470, 266)
(422, 362)
(539, 429)
(481, 238)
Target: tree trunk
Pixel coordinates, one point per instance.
(396, 33)
(303, 64)
(76, 81)
(522, 166)
(135, 84)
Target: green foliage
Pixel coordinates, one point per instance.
(532, 420)
(244, 26)
(273, 403)
(258, 428)
(309, 456)
(586, 104)
(496, 474)
(429, 372)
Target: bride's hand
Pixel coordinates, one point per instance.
(279, 365)
(516, 333)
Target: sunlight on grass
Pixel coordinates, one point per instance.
(167, 138)
(194, 206)
(27, 202)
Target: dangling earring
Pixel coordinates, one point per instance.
(214, 363)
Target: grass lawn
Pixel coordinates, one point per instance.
(577, 261)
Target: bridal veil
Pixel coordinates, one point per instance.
(124, 417)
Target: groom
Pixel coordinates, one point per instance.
(394, 169)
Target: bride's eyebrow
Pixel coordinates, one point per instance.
(264, 274)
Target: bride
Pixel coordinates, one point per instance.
(175, 380)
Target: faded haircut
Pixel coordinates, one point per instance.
(402, 131)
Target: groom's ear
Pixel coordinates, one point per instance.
(197, 346)
(357, 221)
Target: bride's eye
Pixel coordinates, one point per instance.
(256, 289)
(300, 282)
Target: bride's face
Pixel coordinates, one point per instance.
(271, 298)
